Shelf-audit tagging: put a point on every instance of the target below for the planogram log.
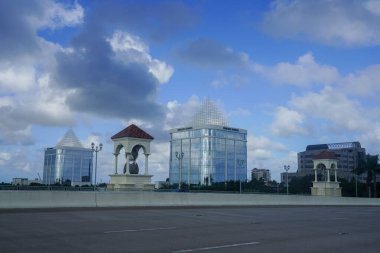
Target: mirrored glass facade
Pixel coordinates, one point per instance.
(68, 165)
(210, 154)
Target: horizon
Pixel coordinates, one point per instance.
(292, 73)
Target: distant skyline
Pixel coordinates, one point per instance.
(292, 73)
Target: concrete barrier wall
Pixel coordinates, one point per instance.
(54, 199)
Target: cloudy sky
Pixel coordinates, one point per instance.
(291, 72)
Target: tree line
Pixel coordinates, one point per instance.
(367, 166)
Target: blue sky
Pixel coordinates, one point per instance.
(292, 73)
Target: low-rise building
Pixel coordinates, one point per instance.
(348, 155)
(261, 174)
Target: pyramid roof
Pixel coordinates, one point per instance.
(70, 140)
(132, 131)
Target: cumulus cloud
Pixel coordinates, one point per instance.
(20, 112)
(260, 148)
(304, 72)
(105, 71)
(223, 80)
(16, 78)
(103, 86)
(26, 60)
(157, 20)
(362, 83)
(180, 115)
(345, 113)
(288, 122)
(129, 48)
(20, 21)
(210, 53)
(338, 23)
(57, 15)
(240, 112)
(265, 153)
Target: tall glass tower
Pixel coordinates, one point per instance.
(208, 150)
(68, 163)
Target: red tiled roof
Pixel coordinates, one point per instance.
(325, 155)
(134, 132)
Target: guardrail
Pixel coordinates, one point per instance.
(46, 188)
(91, 188)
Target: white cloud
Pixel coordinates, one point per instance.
(330, 104)
(42, 105)
(363, 83)
(303, 73)
(240, 112)
(159, 160)
(223, 80)
(56, 15)
(15, 160)
(338, 23)
(263, 153)
(179, 115)
(288, 122)
(16, 78)
(4, 157)
(372, 6)
(130, 48)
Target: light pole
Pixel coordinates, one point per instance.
(286, 168)
(179, 157)
(96, 149)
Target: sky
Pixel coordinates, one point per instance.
(292, 73)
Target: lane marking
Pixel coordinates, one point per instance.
(232, 215)
(216, 247)
(139, 230)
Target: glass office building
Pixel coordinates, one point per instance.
(68, 163)
(212, 151)
(348, 155)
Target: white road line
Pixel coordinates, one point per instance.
(139, 230)
(217, 247)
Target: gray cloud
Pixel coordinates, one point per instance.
(16, 33)
(156, 19)
(338, 23)
(211, 53)
(90, 76)
(104, 86)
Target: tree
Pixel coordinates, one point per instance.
(371, 166)
(301, 185)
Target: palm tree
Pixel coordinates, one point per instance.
(371, 166)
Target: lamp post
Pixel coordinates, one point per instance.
(179, 157)
(96, 149)
(286, 168)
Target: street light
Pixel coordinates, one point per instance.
(179, 157)
(96, 149)
(286, 168)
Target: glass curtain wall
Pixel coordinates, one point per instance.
(209, 155)
(68, 166)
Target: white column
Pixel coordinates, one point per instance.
(127, 164)
(146, 164)
(328, 175)
(115, 154)
(315, 175)
(336, 176)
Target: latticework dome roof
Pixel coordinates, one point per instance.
(209, 114)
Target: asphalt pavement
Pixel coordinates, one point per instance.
(216, 229)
